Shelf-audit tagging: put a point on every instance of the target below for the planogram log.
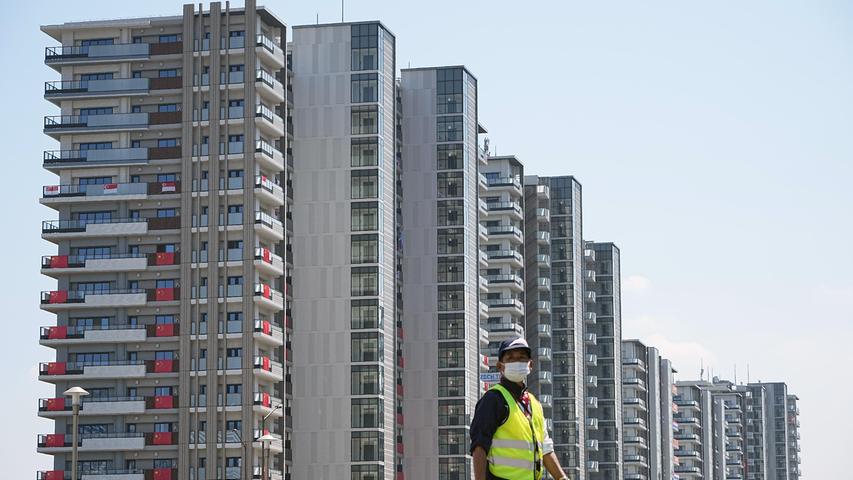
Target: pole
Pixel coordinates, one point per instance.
(75, 410)
(263, 461)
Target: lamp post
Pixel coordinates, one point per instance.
(265, 439)
(75, 393)
(245, 461)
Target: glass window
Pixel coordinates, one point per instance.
(450, 156)
(364, 152)
(451, 412)
(366, 346)
(451, 270)
(365, 281)
(449, 128)
(366, 379)
(364, 87)
(364, 314)
(168, 73)
(364, 216)
(365, 43)
(451, 384)
(367, 446)
(450, 297)
(451, 355)
(366, 413)
(451, 326)
(449, 90)
(450, 212)
(365, 183)
(96, 41)
(457, 468)
(365, 248)
(365, 472)
(168, 38)
(365, 120)
(96, 111)
(449, 184)
(450, 241)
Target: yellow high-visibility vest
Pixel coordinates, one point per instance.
(517, 444)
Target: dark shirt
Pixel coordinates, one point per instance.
(491, 412)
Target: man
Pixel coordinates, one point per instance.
(509, 440)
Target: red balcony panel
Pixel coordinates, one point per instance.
(162, 438)
(288, 322)
(52, 475)
(265, 399)
(399, 419)
(267, 292)
(164, 330)
(59, 261)
(55, 404)
(55, 368)
(266, 364)
(162, 474)
(266, 327)
(399, 389)
(400, 333)
(288, 355)
(55, 333)
(165, 366)
(401, 476)
(401, 362)
(266, 255)
(54, 440)
(164, 401)
(400, 448)
(58, 296)
(164, 258)
(164, 294)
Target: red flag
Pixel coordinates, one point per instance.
(167, 187)
(58, 296)
(110, 188)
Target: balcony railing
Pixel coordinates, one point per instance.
(63, 226)
(108, 155)
(504, 182)
(74, 53)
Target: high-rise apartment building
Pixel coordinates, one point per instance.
(171, 265)
(346, 370)
(441, 314)
(647, 412)
(567, 322)
(668, 428)
(694, 457)
(781, 415)
(755, 396)
(537, 281)
(603, 358)
(502, 209)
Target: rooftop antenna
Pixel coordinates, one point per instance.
(342, 11)
(736, 374)
(747, 374)
(701, 369)
(318, 18)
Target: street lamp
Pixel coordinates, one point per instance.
(265, 440)
(75, 393)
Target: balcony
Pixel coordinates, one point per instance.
(543, 353)
(91, 370)
(634, 401)
(590, 338)
(592, 423)
(592, 381)
(100, 158)
(543, 214)
(483, 233)
(504, 183)
(269, 51)
(638, 422)
(498, 232)
(634, 382)
(633, 458)
(592, 466)
(65, 335)
(589, 275)
(268, 262)
(268, 369)
(268, 298)
(60, 90)
(268, 156)
(268, 86)
(543, 192)
(633, 363)
(94, 442)
(591, 359)
(543, 260)
(512, 257)
(590, 318)
(511, 281)
(484, 310)
(591, 402)
(268, 191)
(686, 437)
(544, 377)
(687, 469)
(546, 400)
(269, 227)
(483, 283)
(498, 328)
(482, 182)
(266, 332)
(589, 254)
(513, 209)
(589, 297)
(543, 330)
(505, 304)
(687, 404)
(543, 307)
(57, 300)
(61, 124)
(543, 237)
(592, 445)
(64, 194)
(543, 283)
(91, 54)
(686, 420)
(635, 440)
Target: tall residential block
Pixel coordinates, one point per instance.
(757, 430)
(346, 286)
(603, 358)
(537, 281)
(782, 439)
(668, 428)
(694, 457)
(170, 261)
(647, 412)
(503, 216)
(567, 324)
(441, 313)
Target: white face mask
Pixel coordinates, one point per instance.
(516, 371)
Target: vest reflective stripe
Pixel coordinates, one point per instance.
(513, 454)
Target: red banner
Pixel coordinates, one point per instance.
(161, 438)
(265, 399)
(55, 404)
(54, 333)
(164, 258)
(110, 188)
(54, 440)
(265, 254)
(161, 474)
(164, 401)
(266, 364)
(59, 261)
(56, 368)
(166, 187)
(267, 292)
(163, 366)
(399, 419)
(164, 330)
(266, 327)
(164, 294)
(58, 296)
(51, 190)
(53, 475)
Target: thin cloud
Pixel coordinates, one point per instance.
(687, 356)
(636, 283)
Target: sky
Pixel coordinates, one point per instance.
(713, 140)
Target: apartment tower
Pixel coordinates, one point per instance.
(440, 270)
(567, 322)
(694, 457)
(537, 281)
(346, 287)
(171, 266)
